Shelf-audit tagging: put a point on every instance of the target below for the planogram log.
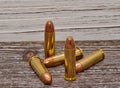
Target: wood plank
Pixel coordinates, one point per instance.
(24, 20)
(14, 72)
(93, 24)
(77, 33)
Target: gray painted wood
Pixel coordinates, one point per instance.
(16, 73)
(24, 20)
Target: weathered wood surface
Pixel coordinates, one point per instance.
(24, 20)
(14, 72)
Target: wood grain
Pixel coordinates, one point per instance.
(24, 20)
(93, 24)
(16, 73)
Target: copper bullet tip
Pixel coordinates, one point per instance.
(49, 26)
(69, 44)
(78, 67)
(46, 78)
(48, 62)
(28, 54)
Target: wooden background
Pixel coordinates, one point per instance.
(24, 20)
(93, 24)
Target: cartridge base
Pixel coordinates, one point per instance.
(70, 79)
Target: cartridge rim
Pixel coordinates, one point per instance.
(80, 50)
(33, 57)
(102, 52)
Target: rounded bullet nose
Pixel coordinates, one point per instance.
(49, 26)
(28, 54)
(48, 62)
(69, 38)
(69, 44)
(46, 78)
(78, 67)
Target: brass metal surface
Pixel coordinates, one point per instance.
(70, 60)
(90, 60)
(49, 44)
(40, 69)
(59, 59)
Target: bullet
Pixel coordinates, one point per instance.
(38, 67)
(90, 60)
(59, 59)
(70, 59)
(49, 39)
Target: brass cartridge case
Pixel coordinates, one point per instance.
(49, 39)
(90, 60)
(70, 59)
(38, 67)
(59, 59)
